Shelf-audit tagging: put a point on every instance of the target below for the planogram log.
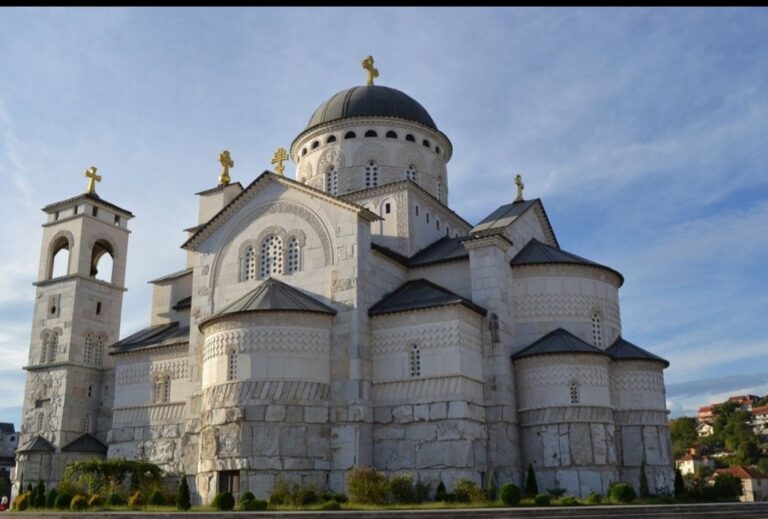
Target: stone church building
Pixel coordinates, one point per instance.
(344, 317)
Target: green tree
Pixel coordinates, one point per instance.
(683, 433)
(727, 486)
(531, 488)
(762, 465)
(679, 483)
(748, 452)
(183, 500)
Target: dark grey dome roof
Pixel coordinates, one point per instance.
(371, 101)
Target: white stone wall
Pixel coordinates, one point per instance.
(547, 297)
(165, 294)
(454, 276)
(545, 381)
(637, 385)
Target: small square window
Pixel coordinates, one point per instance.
(117, 220)
(74, 210)
(387, 208)
(95, 211)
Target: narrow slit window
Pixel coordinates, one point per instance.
(371, 174)
(232, 365)
(597, 330)
(415, 361)
(574, 387)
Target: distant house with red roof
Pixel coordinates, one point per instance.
(754, 484)
(760, 420)
(745, 402)
(706, 414)
(692, 462)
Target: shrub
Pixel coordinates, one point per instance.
(305, 495)
(115, 499)
(157, 498)
(340, 497)
(491, 487)
(420, 491)
(95, 501)
(224, 501)
(366, 485)
(281, 491)
(644, 492)
(467, 491)
(37, 499)
(401, 488)
(679, 483)
(248, 496)
(727, 486)
(50, 500)
(623, 493)
(63, 500)
(183, 500)
(531, 488)
(78, 503)
(568, 501)
(542, 500)
(330, 505)
(21, 502)
(594, 498)
(136, 500)
(440, 493)
(103, 476)
(253, 505)
(510, 494)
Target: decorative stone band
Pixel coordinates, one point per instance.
(574, 414)
(439, 335)
(265, 391)
(636, 380)
(267, 339)
(535, 307)
(641, 417)
(424, 390)
(148, 415)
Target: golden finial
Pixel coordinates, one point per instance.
(372, 72)
(279, 157)
(92, 179)
(520, 187)
(226, 163)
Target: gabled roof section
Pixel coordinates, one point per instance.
(158, 335)
(183, 304)
(505, 215)
(6, 428)
(38, 444)
(85, 443)
(273, 295)
(538, 253)
(89, 197)
(208, 228)
(559, 341)
(172, 275)
(622, 349)
(443, 250)
(420, 294)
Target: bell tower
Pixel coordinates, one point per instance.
(80, 285)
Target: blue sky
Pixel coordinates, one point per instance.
(644, 131)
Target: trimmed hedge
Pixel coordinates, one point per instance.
(78, 503)
(623, 493)
(542, 500)
(223, 502)
(510, 494)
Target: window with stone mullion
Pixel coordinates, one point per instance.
(271, 256)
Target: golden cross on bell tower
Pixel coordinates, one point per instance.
(92, 179)
(372, 71)
(278, 158)
(520, 187)
(226, 162)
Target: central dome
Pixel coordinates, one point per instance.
(371, 101)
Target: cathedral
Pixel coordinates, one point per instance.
(344, 317)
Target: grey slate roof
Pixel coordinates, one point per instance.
(443, 250)
(273, 295)
(172, 275)
(85, 443)
(508, 213)
(622, 349)
(420, 294)
(7, 428)
(38, 444)
(151, 336)
(91, 197)
(538, 253)
(558, 341)
(371, 101)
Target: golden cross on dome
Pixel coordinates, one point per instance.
(92, 179)
(278, 158)
(226, 163)
(520, 187)
(372, 71)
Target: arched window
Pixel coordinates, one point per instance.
(332, 180)
(437, 149)
(415, 361)
(53, 350)
(425, 143)
(39, 424)
(315, 144)
(44, 346)
(371, 174)
(87, 423)
(411, 172)
(231, 365)
(102, 260)
(391, 135)
(98, 350)
(88, 349)
(271, 256)
(371, 133)
(597, 330)
(410, 138)
(90, 391)
(350, 135)
(167, 388)
(330, 139)
(159, 390)
(574, 388)
(294, 255)
(303, 151)
(249, 263)
(440, 191)
(59, 258)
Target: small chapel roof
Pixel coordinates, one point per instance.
(91, 197)
(159, 334)
(538, 253)
(420, 294)
(622, 349)
(558, 341)
(38, 444)
(85, 443)
(441, 251)
(273, 295)
(506, 214)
